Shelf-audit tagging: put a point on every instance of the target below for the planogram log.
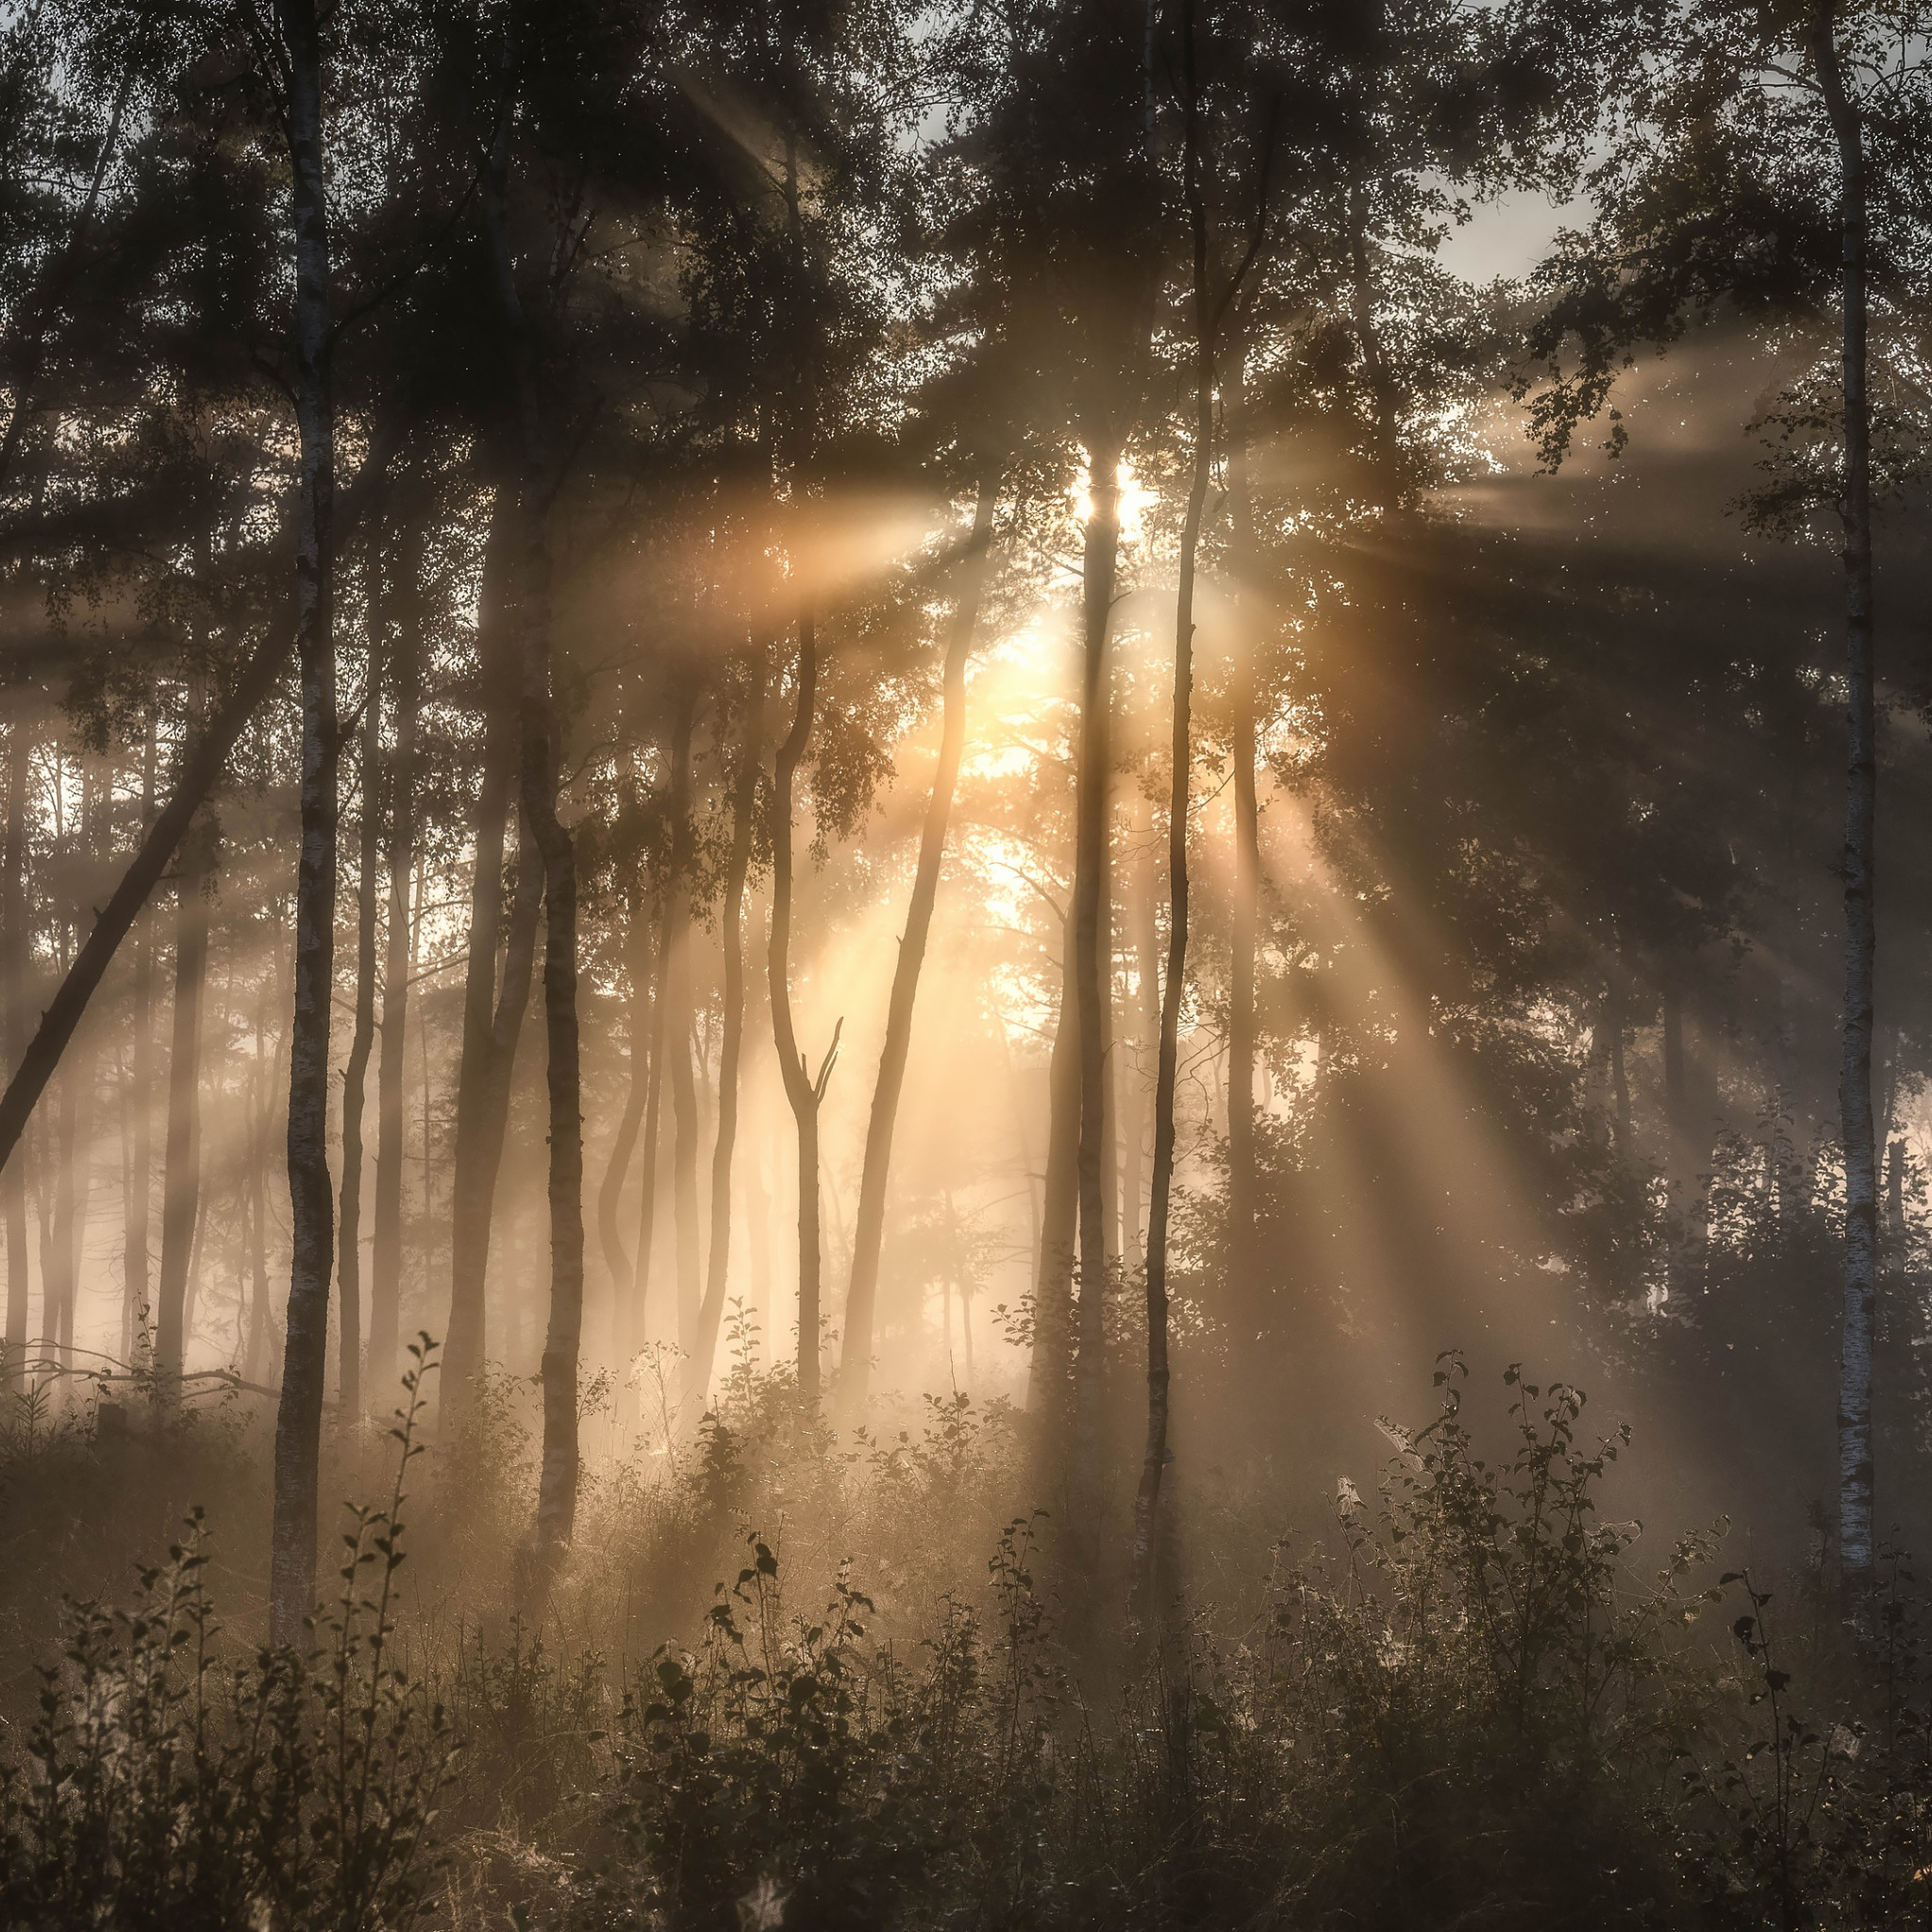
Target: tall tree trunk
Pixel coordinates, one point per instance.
(1091, 977)
(57, 1262)
(855, 1366)
(76, 1176)
(644, 1004)
(1049, 1379)
(652, 1157)
(15, 938)
(298, 1426)
(261, 1099)
(1245, 1296)
(1154, 1458)
(181, 1182)
(386, 1259)
(1619, 1075)
(802, 1090)
(1146, 1025)
(138, 1098)
(1855, 1478)
(557, 1490)
(356, 1075)
(731, 1048)
(557, 1484)
(492, 1020)
(678, 1024)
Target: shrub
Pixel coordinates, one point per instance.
(169, 1783)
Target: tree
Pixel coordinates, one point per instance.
(855, 1362)
(1760, 129)
(298, 54)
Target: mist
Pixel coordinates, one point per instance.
(963, 966)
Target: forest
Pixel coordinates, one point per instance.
(965, 964)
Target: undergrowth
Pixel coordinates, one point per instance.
(1470, 1703)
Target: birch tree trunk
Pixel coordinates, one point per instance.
(1855, 1474)
(855, 1362)
(298, 1427)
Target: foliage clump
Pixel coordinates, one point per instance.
(170, 1781)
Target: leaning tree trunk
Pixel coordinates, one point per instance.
(1855, 1074)
(731, 1047)
(557, 1485)
(356, 1075)
(1091, 976)
(298, 1427)
(14, 938)
(181, 1179)
(855, 1366)
(386, 1259)
(802, 1090)
(200, 773)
